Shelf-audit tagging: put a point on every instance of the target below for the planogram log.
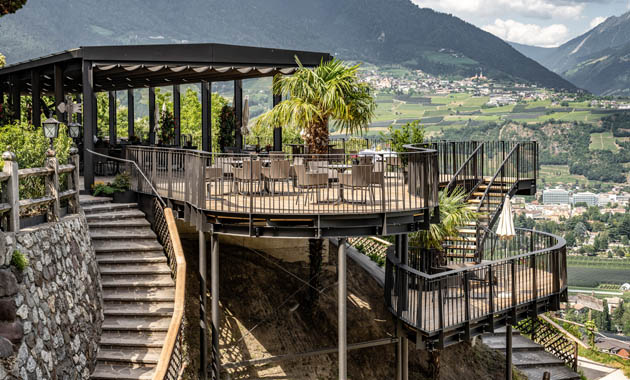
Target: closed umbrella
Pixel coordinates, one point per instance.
(245, 126)
(505, 228)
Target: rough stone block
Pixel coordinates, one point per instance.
(6, 348)
(7, 309)
(13, 331)
(8, 283)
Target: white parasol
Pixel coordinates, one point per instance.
(505, 228)
(245, 126)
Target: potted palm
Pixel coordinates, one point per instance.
(330, 92)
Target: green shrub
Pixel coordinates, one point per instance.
(19, 260)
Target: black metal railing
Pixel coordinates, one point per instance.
(531, 268)
(282, 183)
(552, 340)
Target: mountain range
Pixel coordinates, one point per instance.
(374, 31)
(598, 60)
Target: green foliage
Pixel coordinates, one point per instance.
(167, 127)
(29, 146)
(3, 60)
(19, 261)
(453, 214)
(10, 6)
(120, 183)
(330, 92)
(591, 330)
(227, 127)
(410, 133)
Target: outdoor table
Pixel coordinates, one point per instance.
(340, 168)
(379, 155)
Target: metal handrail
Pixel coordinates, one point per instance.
(452, 182)
(496, 174)
(137, 167)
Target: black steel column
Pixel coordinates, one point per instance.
(277, 131)
(36, 97)
(203, 328)
(89, 125)
(112, 118)
(15, 100)
(214, 291)
(508, 351)
(206, 109)
(59, 95)
(152, 120)
(238, 112)
(177, 114)
(131, 118)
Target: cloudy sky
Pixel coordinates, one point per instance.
(532, 22)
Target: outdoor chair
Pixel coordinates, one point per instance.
(322, 167)
(273, 156)
(103, 166)
(212, 175)
(359, 178)
(310, 183)
(278, 171)
(250, 174)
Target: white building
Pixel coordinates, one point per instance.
(555, 197)
(585, 197)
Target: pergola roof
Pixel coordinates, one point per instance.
(138, 66)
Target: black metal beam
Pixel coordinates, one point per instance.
(131, 119)
(112, 118)
(277, 131)
(238, 113)
(177, 114)
(206, 109)
(89, 124)
(15, 99)
(152, 120)
(59, 96)
(36, 97)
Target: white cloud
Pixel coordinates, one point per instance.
(528, 34)
(596, 21)
(542, 9)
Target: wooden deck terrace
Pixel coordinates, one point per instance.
(395, 196)
(527, 277)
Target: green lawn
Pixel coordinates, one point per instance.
(603, 141)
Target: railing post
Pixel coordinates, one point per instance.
(13, 190)
(513, 274)
(73, 179)
(52, 186)
(153, 165)
(201, 198)
(169, 167)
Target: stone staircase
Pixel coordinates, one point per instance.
(464, 246)
(529, 357)
(138, 290)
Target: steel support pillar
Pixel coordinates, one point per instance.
(177, 114)
(238, 113)
(131, 118)
(214, 289)
(404, 344)
(152, 118)
(203, 329)
(113, 135)
(508, 351)
(206, 124)
(342, 290)
(89, 124)
(36, 117)
(59, 93)
(277, 131)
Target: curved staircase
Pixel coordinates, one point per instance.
(138, 290)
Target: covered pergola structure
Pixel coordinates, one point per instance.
(85, 71)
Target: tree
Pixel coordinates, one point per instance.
(331, 91)
(10, 6)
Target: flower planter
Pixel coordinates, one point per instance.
(127, 196)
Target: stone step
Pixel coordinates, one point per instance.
(529, 359)
(131, 257)
(121, 371)
(133, 268)
(502, 330)
(139, 295)
(116, 215)
(108, 207)
(129, 355)
(152, 324)
(557, 373)
(468, 231)
(123, 223)
(86, 200)
(135, 245)
(138, 308)
(132, 339)
(122, 233)
(136, 281)
(519, 343)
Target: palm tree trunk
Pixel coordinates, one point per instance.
(317, 138)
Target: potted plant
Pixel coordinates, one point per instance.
(117, 189)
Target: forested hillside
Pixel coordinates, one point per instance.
(395, 31)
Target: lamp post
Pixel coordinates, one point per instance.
(51, 129)
(74, 130)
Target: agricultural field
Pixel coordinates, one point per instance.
(591, 272)
(553, 175)
(603, 141)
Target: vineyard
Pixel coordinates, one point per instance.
(592, 271)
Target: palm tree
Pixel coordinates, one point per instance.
(453, 214)
(331, 91)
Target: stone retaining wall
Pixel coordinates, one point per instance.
(51, 313)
